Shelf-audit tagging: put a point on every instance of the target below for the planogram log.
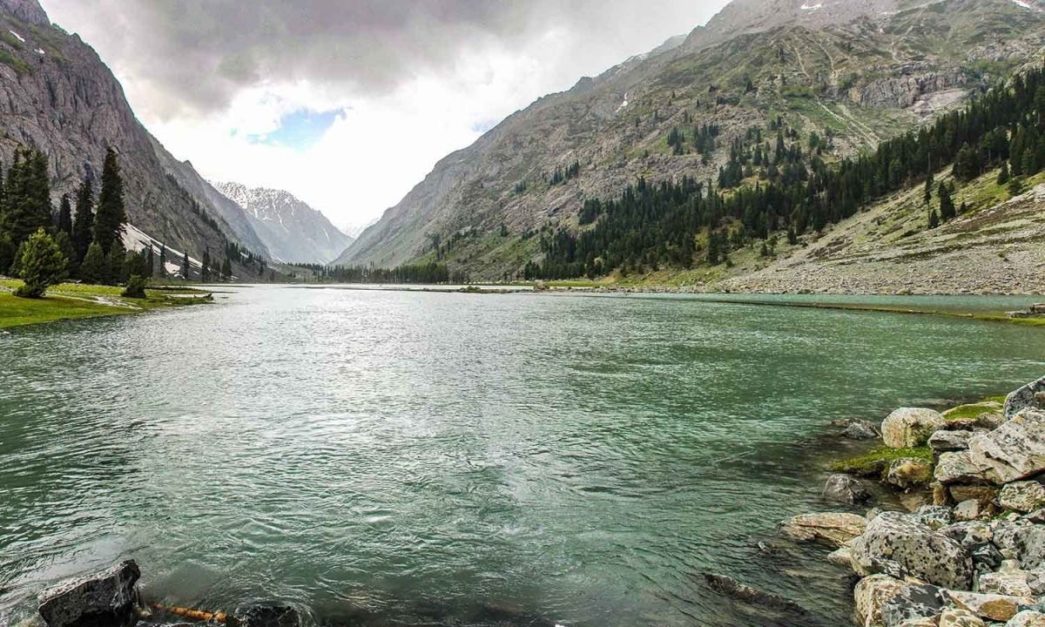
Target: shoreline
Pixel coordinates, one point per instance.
(966, 546)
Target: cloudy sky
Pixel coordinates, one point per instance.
(349, 103)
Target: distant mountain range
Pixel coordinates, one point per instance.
(292, 231)
(859, 71)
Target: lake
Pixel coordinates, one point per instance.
(382, 456)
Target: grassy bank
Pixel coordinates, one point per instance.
(70, 301)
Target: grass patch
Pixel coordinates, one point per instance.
(972, 411)
(876, 461)
(69, 301)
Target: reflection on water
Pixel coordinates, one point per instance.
(379, 456)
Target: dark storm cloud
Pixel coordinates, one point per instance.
(201, 52)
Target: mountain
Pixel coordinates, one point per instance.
(56, 94)
(292, 231)
(857, 71)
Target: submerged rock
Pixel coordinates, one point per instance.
(918, 550)
(844, 489)
(1022, 496)
(736, 590)
(264, 616)
(107, 598)
(909, 427)
(1031, 395)
(860, 430)
(834, 529)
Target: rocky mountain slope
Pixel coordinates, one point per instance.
(859, 71)
(292, 231)
(57, 94)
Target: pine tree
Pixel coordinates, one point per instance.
(947, 212)
(934, 220)
(116, 264)
(226, 270)
(185, 269)
(111, 215)
(27, 196)
(93, 268)
(162, 270)
(40, 265)
(928, 193)
(65, 216)
(205, 270)
(150, 263)
(1003, 174)
(83, 223)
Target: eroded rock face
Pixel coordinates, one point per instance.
(918, 550)
(1022, 496)
(1031, 396)
(829, 528)
(107, 598)
(911, 426)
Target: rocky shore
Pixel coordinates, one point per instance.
(969, 550)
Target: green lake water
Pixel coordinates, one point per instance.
(432, 458)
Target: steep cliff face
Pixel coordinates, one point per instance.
(57, 94)
(863, 70)
(292, 231)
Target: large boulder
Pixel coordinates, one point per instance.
(1013, 451)
(871, 594)
(911, 426)
(1022, 496)
(845, 489)
(829, 528)
(107, 598)
(896, 539)
(1031, 395)
(957, 467)
(909, 472)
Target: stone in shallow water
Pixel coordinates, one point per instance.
(911, 426)
(932, 557)
(264, 616)
(844, 489)
(1022, 496)
(860, 430)
(829, 528)
(107, 598)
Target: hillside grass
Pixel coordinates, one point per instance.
(70, 301)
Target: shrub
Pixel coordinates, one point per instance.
(40, 264)
(135, 287)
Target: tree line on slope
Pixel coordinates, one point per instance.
(43, 246)
(422, 273)
(689, 221)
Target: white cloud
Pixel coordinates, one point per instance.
(394, 131)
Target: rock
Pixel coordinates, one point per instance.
(1014, 583)
(1013, 451)
(910, 426)
(919, 622)
(1030, 546)
(986, 495)
(1022, 496)
(844, 489)
(264, 616)
(970, 535)
(741, 592)
(932, 557)
(955, 617)
(933, 516)
(908, 472)
(986, 557)
(914, 501)
(860, 430)
(829, 528)
(914, 601)
(995, 607)
(967, 510)
(842, 557)
(1037, 517)
(1031, 395)
(872, 593)
(1027, 618)
(950, 440)
(107, 598)
(957, 467)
